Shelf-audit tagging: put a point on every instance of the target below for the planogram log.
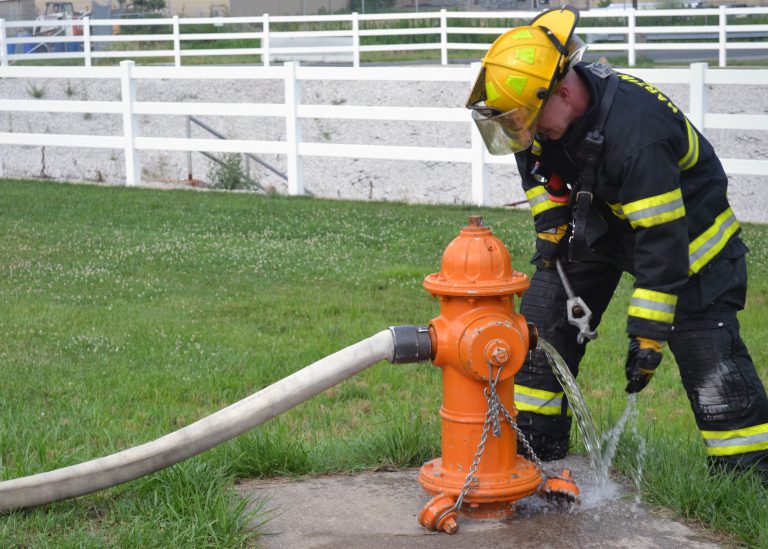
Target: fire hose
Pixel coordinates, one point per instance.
(399, 344)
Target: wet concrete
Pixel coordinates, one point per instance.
(378, 510)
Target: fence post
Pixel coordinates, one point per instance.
(265, 40)
(698, 95)
(87, 41)
(632, 38)
(443, 36)
(479, 168)
(188, 134)
(293, 130)
(355, 39)
(130, 124)
(3, 44)
(176, 42)
(723, 36)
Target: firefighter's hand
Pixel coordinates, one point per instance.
(547, 243)
(643, 358)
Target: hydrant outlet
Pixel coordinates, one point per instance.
(533, 336)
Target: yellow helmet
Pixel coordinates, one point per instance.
(520, 70)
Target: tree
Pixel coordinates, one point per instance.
(143, 5)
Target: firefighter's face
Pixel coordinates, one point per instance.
(556, 116)
(567, 103)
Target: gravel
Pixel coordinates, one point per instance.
(356, 179)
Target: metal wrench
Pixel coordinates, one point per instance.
(579, 314)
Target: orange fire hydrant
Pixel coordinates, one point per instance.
(480, 342)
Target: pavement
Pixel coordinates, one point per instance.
(376, 510)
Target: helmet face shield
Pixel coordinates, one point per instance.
(505, 132)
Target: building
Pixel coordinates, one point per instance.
(17, 10)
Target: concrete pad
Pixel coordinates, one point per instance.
(378, 510)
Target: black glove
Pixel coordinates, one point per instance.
(643, 358)
(547, 243)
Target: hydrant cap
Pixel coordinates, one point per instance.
(476, 263)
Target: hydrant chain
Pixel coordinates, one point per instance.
(491, 418)
(493, 399)
(475, 463)
(522, 439)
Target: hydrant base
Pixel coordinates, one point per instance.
(505, 488)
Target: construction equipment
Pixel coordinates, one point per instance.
(45, 26)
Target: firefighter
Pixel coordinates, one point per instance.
(619, 180)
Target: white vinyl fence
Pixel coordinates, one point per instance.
(724, 29)
(294, 148)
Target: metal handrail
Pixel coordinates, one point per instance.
(193, 119)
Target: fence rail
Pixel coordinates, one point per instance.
(79, 39)
(698, 77)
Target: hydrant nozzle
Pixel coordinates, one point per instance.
(479, 342)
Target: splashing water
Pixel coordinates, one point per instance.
(600, 451)
(610, 441)
(611, 437)
(581, 411)
(637, 473)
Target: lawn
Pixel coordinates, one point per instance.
(129, 313)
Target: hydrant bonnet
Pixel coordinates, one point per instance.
(476, 263)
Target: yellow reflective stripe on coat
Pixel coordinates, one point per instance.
(692, 156)
(538, 401)
(655, 210)
(538, 198)
(709, 243)
(739, 441)
(536, 148)
(617, 210)
(652, 305)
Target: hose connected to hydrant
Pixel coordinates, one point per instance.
(399, 344)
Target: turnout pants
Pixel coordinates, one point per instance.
(726, 395)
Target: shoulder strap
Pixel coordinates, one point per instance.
(589, 153)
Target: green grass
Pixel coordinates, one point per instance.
(129, 313)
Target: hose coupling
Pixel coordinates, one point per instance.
(412, 344)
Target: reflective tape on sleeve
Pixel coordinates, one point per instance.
(709, 243)
(617, 210)
(536, 148)
(655, 210)
(739, 441)
(652, 305)
(538, 401)
(692, 155)
(538, 198)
